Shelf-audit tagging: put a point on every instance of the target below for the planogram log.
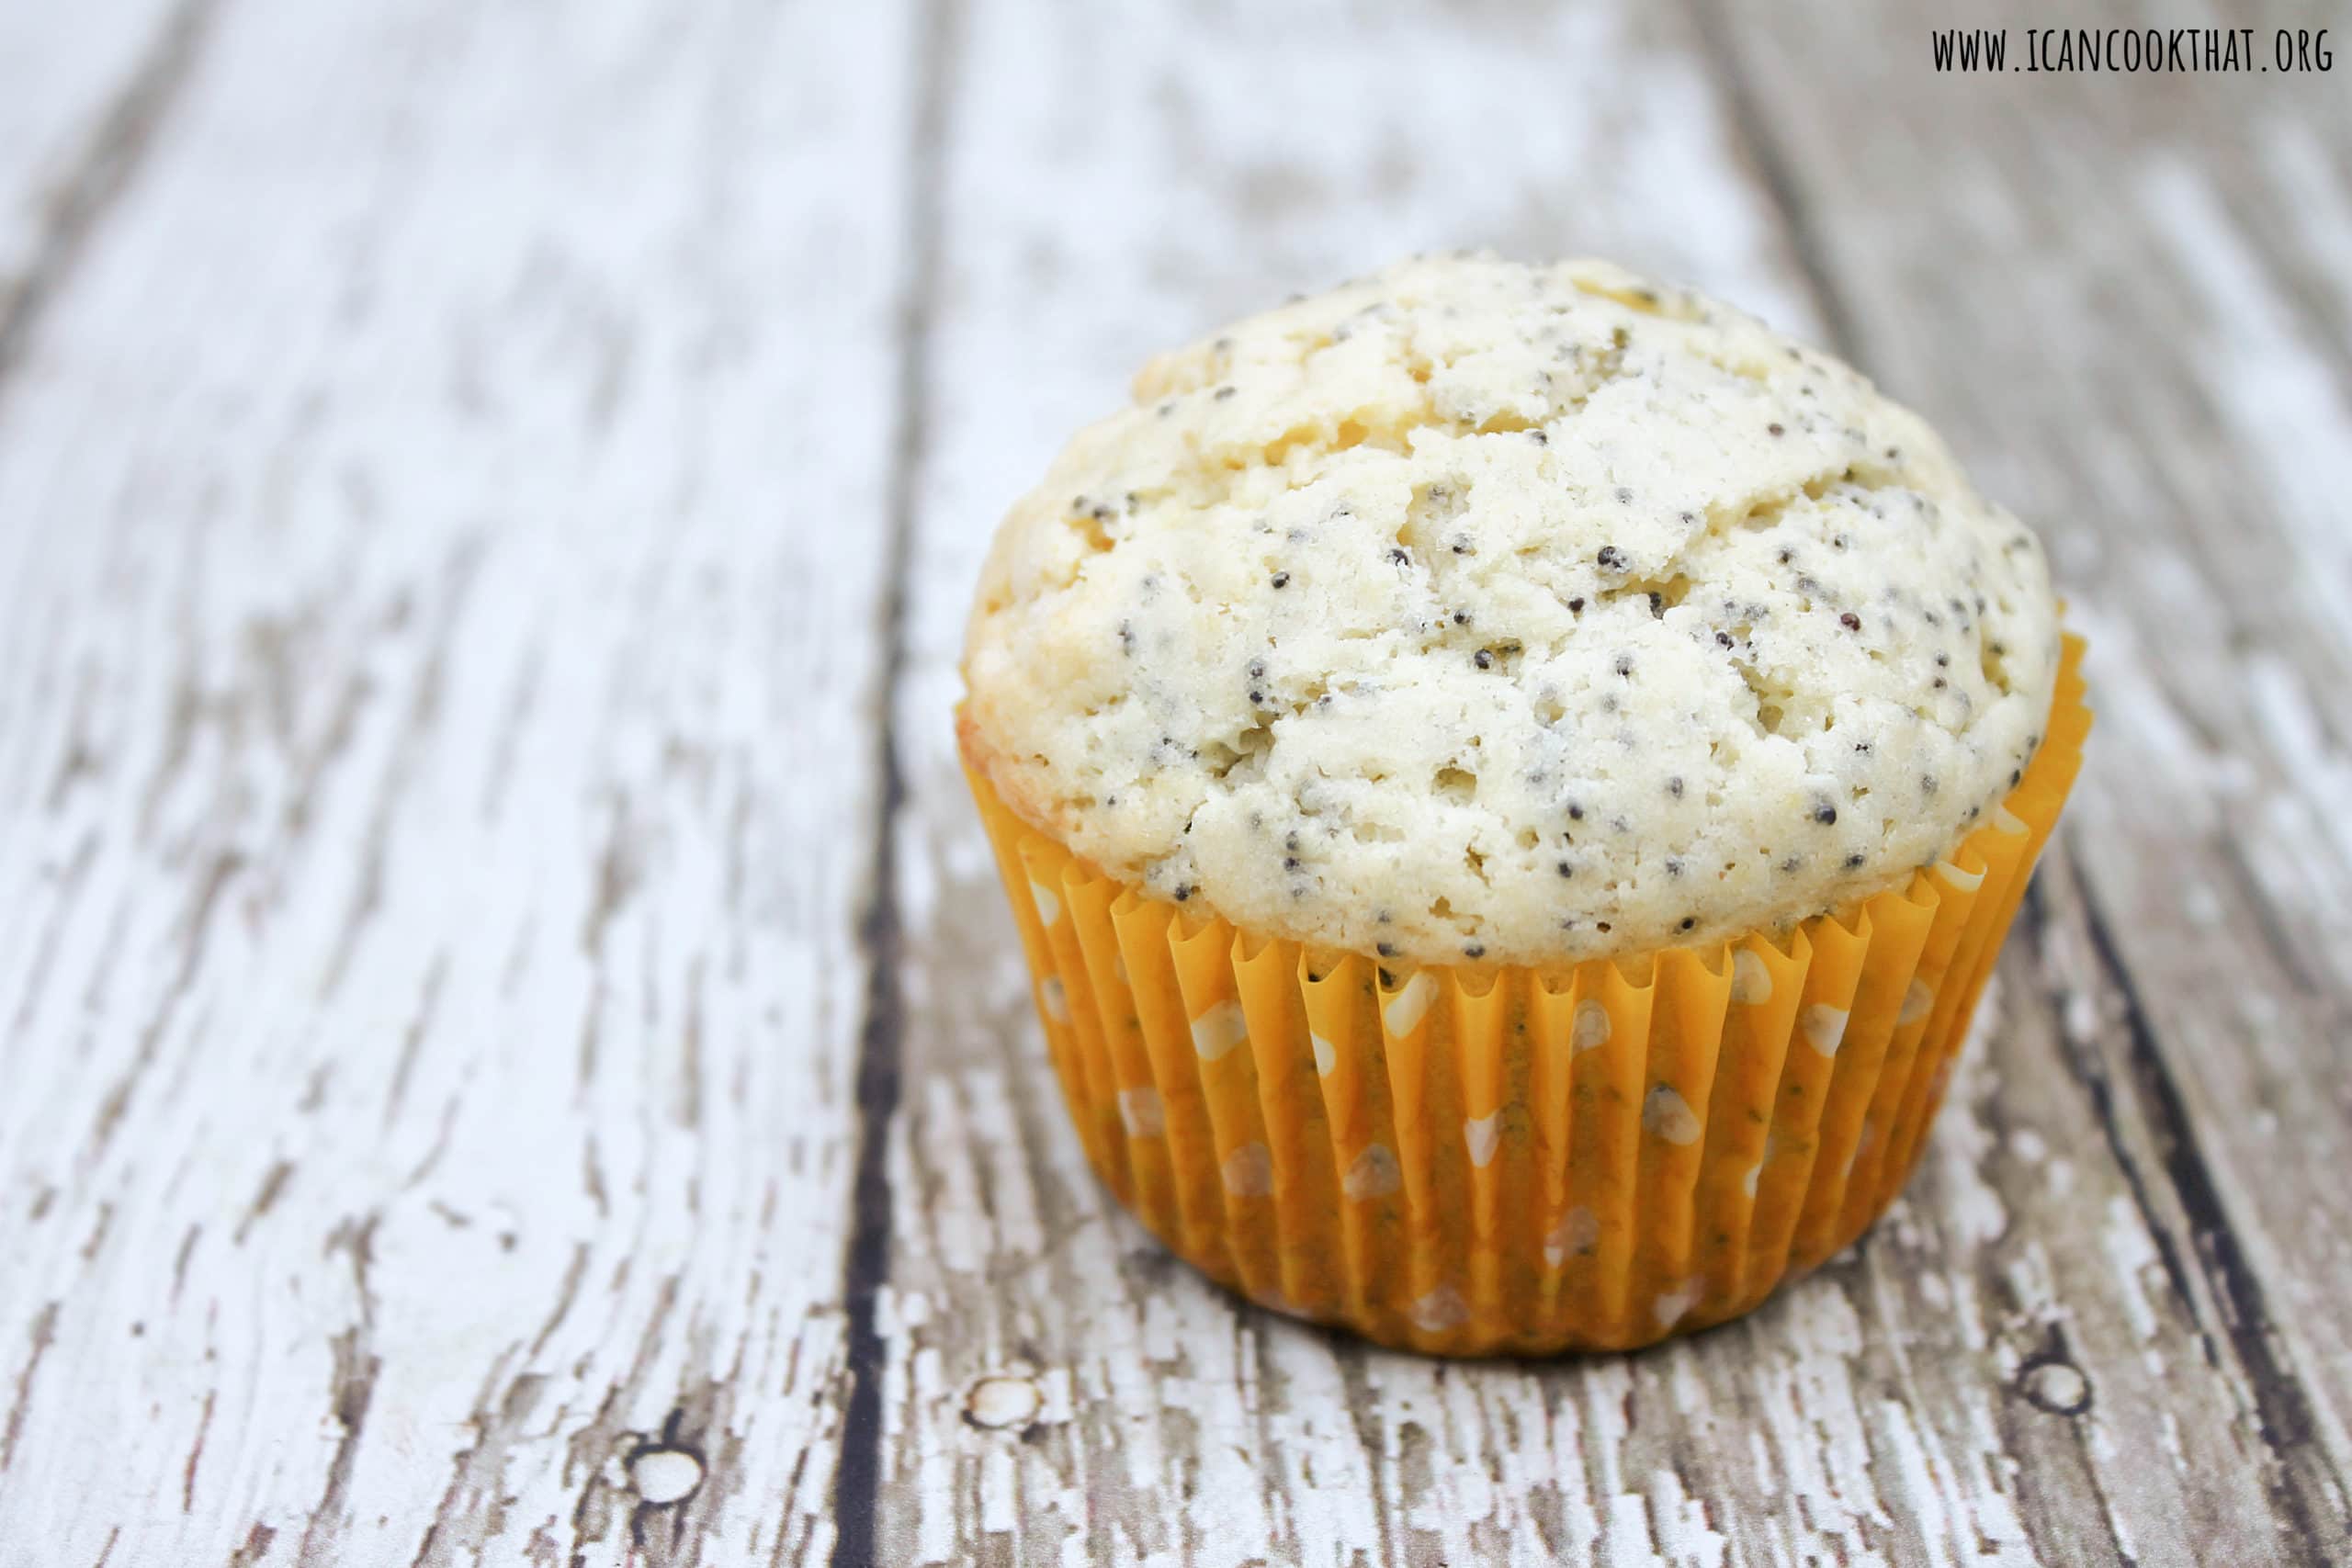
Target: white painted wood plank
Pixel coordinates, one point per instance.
(2003, 1372)
(438, 649)
(70, 80)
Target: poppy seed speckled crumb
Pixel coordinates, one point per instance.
(1719, 585)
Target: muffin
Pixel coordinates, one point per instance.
(1510, 779)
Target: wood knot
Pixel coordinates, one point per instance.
(665, 1475)
(1002, 1402)
(2051, 1383)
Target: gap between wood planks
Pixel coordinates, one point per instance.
(2282, 1413)
(881, 1035)
(102, 172)
(1738, 90)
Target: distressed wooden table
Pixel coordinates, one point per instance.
(510, 1052)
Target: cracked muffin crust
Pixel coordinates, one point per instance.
(1481, 611)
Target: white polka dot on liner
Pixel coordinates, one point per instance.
(1142, 1111)
(1408, 1007)
(1327, 1056)
(1442, 1309)
(1250, 1171)
(1374, 1173)
(1482, 1135)
(1670, 1307)
(1666, 1115)
(1219, 1030)
(1576, 1232)
(1751, 982)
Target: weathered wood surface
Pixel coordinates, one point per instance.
(2166, 390)
(445, 519)
(2042, 1354)
(508, 1058)
(78, 94)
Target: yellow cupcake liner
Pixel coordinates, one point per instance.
(1522, 1160)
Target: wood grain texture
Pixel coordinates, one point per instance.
(511, 1051)
(2028, 1360)
(82, 89)
(2169, 399)
(439, 593)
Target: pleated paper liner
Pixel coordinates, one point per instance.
(1523, 1160)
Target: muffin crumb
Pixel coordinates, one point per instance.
(1551, 554)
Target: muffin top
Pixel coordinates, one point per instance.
(1519, 613)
